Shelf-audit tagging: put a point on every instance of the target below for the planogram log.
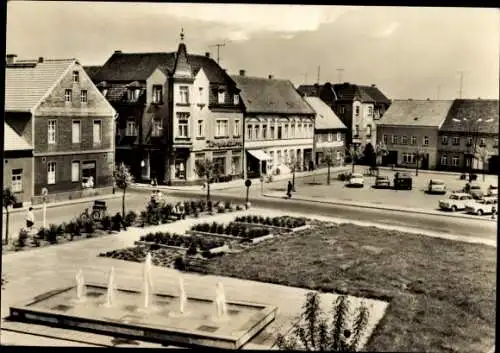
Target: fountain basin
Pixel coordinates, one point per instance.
(162, 324)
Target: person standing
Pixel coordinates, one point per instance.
(30, 218)
(289, 189)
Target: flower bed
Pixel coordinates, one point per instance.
(180, 241)
(278, 222)
(160, 257)
(232, 229)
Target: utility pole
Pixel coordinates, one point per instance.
(218, 45)
(319, 70)
(340, 74)
(461, 84)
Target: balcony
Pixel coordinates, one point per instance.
(183, 141)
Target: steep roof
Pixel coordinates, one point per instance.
(310, 90)
(325, 116)
(263, 95)
(480, 113)
(139, 66)
(12, 141)
(26, 85)
(349, 92)
(92, 70)
(416, 113)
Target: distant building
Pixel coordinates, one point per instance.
(278, 124)
(329, 133)
(471, 125)
(174, 108)
(410, 127)
(57, 110)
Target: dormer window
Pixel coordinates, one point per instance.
(221, 97)
(157, 94)
(76, 76)
(200, 95)
(236, 99)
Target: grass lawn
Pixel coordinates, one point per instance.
(442, 293)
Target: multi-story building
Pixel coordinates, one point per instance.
(358, 107)
(471, 125)
(278, 124)
(54, 106)
(329, 133)
(410, 128)
(174, 108)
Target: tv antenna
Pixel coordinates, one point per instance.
(218, 45)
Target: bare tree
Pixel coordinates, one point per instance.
(9, 199)
(293, 164)
(328, 159)
(483, 155)
(380, 152)
(355, 153)
(123, 179)
(207, 169)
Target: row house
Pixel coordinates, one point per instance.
(278, 124)
(329, 133)
(54, 106)
(470, 128)
(359, 107)
(410, 128)
(174, 108)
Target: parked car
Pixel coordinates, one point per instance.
(474, 189)
(456, 201)
(355, 180)
(493, 190)
(487, 205)
(436, 186)
(382, 181)
(403, 181)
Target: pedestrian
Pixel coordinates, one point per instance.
(289, 189)
(30, 218)
(493, 212)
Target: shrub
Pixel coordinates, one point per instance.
(61, 228)
(213, 228)
(192, 250)
(220, 208)
(106, 223)
(239, 219)
(239, 208)
(23, 236)
(43, 233)
(89, 226)
(179, 263)
(209, 205)
(79, 224)
(255, 219)
(268, 221)
(227, 205)
(220, 229)
(52, 234)
(144, 218)
(187, 207)
(196, 213)
(130, 218)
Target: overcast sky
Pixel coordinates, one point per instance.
(408, 52)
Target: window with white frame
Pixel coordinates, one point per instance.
(51, 136)
(286, 131)
(157, 128)
(280, 133)
(16, 184)
(51, 173)
(339, 136)
(222, 128)
(249, 131)
(370, 111)
(455, 161)
(83, 96)
(184, 94)
(292, 130)
(272, 132)
(368, 130)
(201, 98)
(76, 76)
(237, 128)
(467, 162)
(97, 132)
(221, 97)
(199, 130)
(408, 158)
(404, 140)
(469, 141)
(264, 132)
(413, 140)
(384, 139)
(75, 171)
(182, 125)
(356, 130)
(157, 94)
(444, 159)
(394, 139)
(278, 157)
(456, 140)
(131, 129)
(426, 140)
(75, 131)
(68, 95)
(236, 99)
(356, 109)
(482, 142)
(444, 140)
(257, 131)
(330, 137)
(341, 109)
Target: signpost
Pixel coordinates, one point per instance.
(45, 192)
(248, 183)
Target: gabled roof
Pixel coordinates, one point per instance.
(370, 94)
(128, 67)
(25, 86)
(310, 90)
(429, 113)
(14, 142)
(92, 70)
(264, 95)
(325, 116)
(473, 113)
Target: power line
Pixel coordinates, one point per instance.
(218, 45)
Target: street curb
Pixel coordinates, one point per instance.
(379, 207)
(425, 171)
(64, 203)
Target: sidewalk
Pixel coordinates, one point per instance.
(426, 171)
(239, 183)
(395, 208)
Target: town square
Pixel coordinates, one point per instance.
(243, 176)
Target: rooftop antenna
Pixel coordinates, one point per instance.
(218, 45)
(340, 74)
(461, 84)
(319, 70)
(182, 34)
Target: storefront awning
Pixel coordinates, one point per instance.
(260, 155)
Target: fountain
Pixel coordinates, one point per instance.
(147, 280)
(182, 296)
(110, 294)
(80, 286)
(220, 301)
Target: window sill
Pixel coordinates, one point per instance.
(201, 138)
(182, 104)
(236, 136)
(221, 137)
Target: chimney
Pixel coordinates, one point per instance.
(118, 51)
(242, 72)
(207, 54)
(270, 77)
(11, 59)
(40, 59)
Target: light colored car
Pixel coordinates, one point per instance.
(356, 179)
(493, 190)
(456, 201)
(436, 186)
(485, 206)
(382, 181)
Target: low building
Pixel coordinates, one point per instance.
(278, 124)
(54, 106)
(329, 133)
(470, 126)
(410, 128)
(17, 165)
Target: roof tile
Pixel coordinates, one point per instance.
(416, 113)
(483, 112)
(325, 116)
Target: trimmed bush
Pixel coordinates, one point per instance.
(130, 218)
(89, 226)
(43, 233)
(180, 264)
(52, 234)
(106, 223)
(23, 236)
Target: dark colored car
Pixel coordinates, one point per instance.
(382, 181)
(474, 189)
(403, 181)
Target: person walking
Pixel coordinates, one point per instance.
(30, 219)
(289, 189)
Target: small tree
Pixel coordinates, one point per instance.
(328, 159)
(123, 179)
(419, 156)
(9, 199)
(354, 152)
(207, 169)
(370, 156)
(314, 333)
(380, 152)
(293, 164)
(483, 155)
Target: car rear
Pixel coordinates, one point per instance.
(437, 186)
